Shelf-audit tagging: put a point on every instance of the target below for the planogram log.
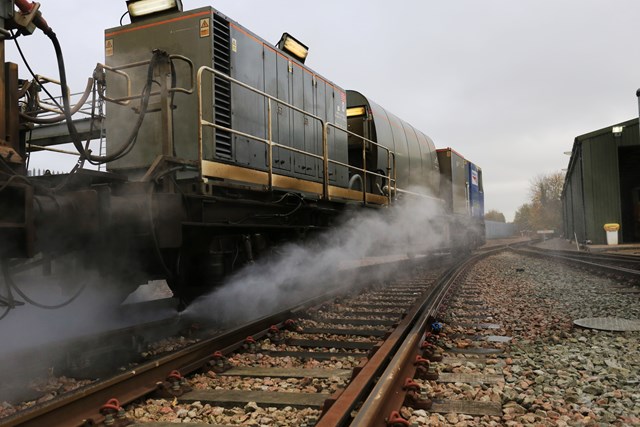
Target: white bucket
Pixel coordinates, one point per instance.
(612, 237)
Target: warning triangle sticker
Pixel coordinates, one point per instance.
(204, 27)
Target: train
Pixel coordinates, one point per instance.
(219, 147)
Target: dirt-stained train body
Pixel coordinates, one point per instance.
(219, 146)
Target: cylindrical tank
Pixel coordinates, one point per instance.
(416, 158)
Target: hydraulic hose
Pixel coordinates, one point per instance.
(11, 285)
(146, 92)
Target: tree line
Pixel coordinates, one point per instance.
(543, 211)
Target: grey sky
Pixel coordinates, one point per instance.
(507, 83)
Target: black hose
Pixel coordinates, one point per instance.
(11, 285)
(145, 95)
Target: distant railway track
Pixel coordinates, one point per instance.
(627, 266)
(378, 329)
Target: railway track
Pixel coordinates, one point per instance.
(361, 341)
(370, 357)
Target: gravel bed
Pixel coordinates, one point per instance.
(49, 388)
(373, 311)
(342, 315)
(309, 323)
(382, 303)
(266, 361)
(168, 345)
(377, 299)
(330, 337)
(555, 374)
(250, 415)
(285, 347)
(211, 380)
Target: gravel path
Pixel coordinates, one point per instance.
(555, 374)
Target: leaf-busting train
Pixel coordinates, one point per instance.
(219, 146)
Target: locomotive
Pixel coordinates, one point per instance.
(219, 146)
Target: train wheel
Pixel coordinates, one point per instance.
(199, 270)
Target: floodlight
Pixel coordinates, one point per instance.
(140, 8)
(289, 44)
(617, 130)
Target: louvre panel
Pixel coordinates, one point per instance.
(222, 105)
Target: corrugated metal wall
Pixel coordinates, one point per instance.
(573, 202)
(591, 194)
(601, 181)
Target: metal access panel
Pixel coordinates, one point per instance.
(188, 34)
(262, 66)
(453, 181)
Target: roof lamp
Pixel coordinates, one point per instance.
(138, 8)
(290, 45)
(356, 111)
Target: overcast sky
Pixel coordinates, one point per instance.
(507, 83)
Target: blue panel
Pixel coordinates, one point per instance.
(476, 192)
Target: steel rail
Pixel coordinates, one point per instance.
(388, 395)
(392, 362)
(580, 260)
(82, 406)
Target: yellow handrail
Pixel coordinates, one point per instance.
(324, 157)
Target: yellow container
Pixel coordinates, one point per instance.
(612, 227)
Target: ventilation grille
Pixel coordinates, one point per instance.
(222, 106)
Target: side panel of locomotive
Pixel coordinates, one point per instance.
(177, 34)
(261, 66)
(210, 39)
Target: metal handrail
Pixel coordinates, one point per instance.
(120, 73)
(391, 158)
(125, 100)
(270, 143)
(49, 110)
